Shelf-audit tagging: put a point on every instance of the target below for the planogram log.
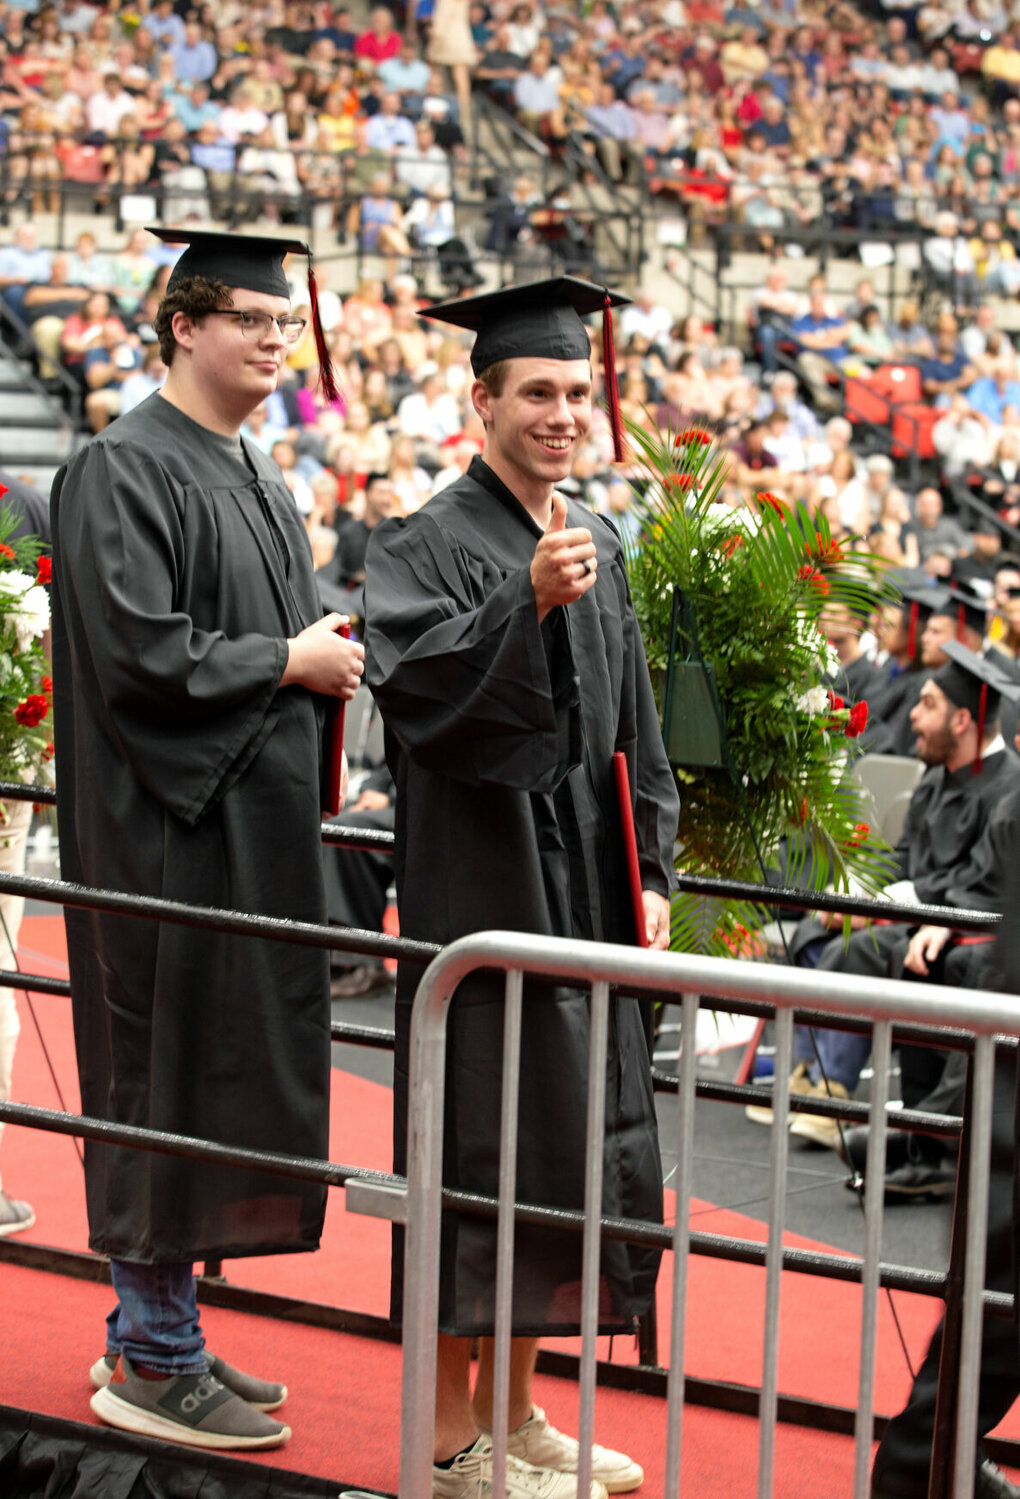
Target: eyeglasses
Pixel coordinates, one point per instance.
(257, 325)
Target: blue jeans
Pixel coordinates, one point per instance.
(155, 1321)
(842, 1055)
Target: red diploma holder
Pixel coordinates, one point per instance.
(334, 762)
(630, 845)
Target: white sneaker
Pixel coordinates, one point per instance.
(544, 1447)
(470, 1477)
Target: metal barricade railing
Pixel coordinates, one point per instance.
(599, 966)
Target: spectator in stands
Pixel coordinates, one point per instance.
(369, 441)
(105, 108)
(108, 362)
(934, 530)
(341, 582)
(376, 220)
(500, 67)
(974, 338)
(995, 260)
(22, 264)
(430, 415)
(85, 329)
(216, 158)
(868, 339)
(1004, 627)
(46, 306)
(133, 270)
(610, 128)
(537, 97)
(426, 165)
(412, 484)
(950, 262)
(948, 371)
(992, 393)
(773, 308)
(961, 439)
(380, 40)
(88, 267)
(194, 56)
(389, 132)
(821, 338)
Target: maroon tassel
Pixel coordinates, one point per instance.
(327, 379)
(961, 622)
(609, 372)
(982, 711)
(912, 631)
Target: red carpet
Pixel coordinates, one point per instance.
(345, 1402)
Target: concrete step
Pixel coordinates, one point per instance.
(26, 406)
(38, 444)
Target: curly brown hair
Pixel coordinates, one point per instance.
(195, 297)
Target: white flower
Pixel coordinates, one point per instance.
(27, 604)
(814, 701)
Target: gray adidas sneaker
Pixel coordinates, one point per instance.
(196, 1410)
(263, 1394)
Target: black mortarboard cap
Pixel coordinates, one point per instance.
(967, 608)
(249, 262)
(538, 320)
(976, 683)
(920, 602)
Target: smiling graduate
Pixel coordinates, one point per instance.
(502, 647)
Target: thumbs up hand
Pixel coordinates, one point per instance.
(565, 562)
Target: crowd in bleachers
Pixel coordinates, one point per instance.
(821, 113)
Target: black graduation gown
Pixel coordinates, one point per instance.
(182, 771)
(948, 814)
(500, 738)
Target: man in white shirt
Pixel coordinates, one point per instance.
(105, 109)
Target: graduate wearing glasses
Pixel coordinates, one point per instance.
(191, 669)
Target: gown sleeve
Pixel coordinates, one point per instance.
(477, 691)
(187, 708)
(656, 799)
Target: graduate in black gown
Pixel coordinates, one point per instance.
(969, 773)
(191, 668)
(903, 1459)
(898, 685)
(503, 650)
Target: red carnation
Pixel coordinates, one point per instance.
(47, 686)
(49, 751)
(6, 551)
(4, 488)
(810, 575)
(44, 569)
(765, 497)
(861, 834)
(680, 482)
(729, 547)
(690, 435)
(32, 711)
(827, 551)
(858, 720)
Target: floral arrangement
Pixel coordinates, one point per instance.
(26, 688)
(756, 584)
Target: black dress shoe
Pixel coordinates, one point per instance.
(989, 1483)
(915, 1165)
(920, 1179)
(354, 983)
